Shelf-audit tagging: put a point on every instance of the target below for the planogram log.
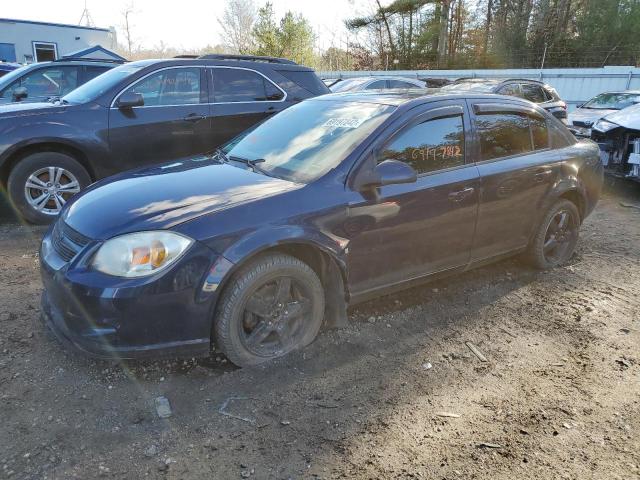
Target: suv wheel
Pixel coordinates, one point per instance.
(273, 306)
(556, 237)
(41, 183)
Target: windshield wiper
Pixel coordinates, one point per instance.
(253, 164)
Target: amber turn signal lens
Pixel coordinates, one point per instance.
(158, 254)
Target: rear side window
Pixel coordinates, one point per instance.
(533, 93)
(377, 84)
(511, 89)
(506, 134)
(429, 146)
(46, 82)
(502, 135)
(306, 79)
(559, 135)
(400, 84)
(236, 85)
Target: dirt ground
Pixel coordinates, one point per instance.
(397, 394)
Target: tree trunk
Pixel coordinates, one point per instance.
(444, 32)
(487, 28)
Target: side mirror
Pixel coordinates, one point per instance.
(389, 172)
(20, 93)
(129, 100)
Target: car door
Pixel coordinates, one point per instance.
(517, 169)
(411, 230)
(240, 98)
(44, 83)
(171, 124)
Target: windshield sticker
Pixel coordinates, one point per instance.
(344, 122)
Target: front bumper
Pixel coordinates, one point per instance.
(109, 317)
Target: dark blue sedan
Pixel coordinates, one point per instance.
(337, 199)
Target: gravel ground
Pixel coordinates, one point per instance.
(397, 394)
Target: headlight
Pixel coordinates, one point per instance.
(605, 126)
(140, 254)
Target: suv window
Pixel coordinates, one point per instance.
(174, 86)
(533, 93)
(236, 85)
(511, 89)
(306, 79)
(539, 133)
(91, 71)
(400, 84)
(429, 146)
(376, 85)
(46, 82)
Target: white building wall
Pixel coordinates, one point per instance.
(68, 38)
(575, 85)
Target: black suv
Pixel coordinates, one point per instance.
(532, 90)
(38, 82)
(138, 114)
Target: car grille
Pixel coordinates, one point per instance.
(66, 241)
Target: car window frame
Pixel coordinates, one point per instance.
(418, 114)
(211, 96)
(508, 107)
(508, 84)
(204, 94)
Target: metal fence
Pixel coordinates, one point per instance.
(575, 85)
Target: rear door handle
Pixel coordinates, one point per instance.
(461, 194)
(193, 117)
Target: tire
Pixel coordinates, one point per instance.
(545, 251)
(38, 167)
(260, 318)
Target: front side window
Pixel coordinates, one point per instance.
(174, 86)
(46, 82)
(533, 93)
(539, 133)
(503, 134)
(429, 146)
(309, 139)
(236, 85)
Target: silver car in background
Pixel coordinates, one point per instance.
(582, 119)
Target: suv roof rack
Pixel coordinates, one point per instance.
(96, 60)
(250, 58)
(187, 55)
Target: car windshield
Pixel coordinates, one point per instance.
(613, 101)
(96, 87)
(348, 84)
(305, 141)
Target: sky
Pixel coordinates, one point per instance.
(185, 24)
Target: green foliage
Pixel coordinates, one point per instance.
(292, 38)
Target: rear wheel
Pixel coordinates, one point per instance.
(273, 306)
(41, 183)
(555, 240)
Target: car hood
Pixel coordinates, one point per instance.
(165, 196)
(628, 117)
(29, 108)
(588, 116)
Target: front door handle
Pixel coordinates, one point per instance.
(460, 195)
(193, 117)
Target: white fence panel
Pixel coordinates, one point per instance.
(575, 85)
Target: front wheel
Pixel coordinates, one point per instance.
(41, 183)
(555, 240)
(273, 306)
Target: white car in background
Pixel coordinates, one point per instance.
(583, 118)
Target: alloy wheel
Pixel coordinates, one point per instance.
(560, 236)
(49, 188)
(274, 317)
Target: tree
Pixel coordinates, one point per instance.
(237, 24)
(293, 38)
(127, 27)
